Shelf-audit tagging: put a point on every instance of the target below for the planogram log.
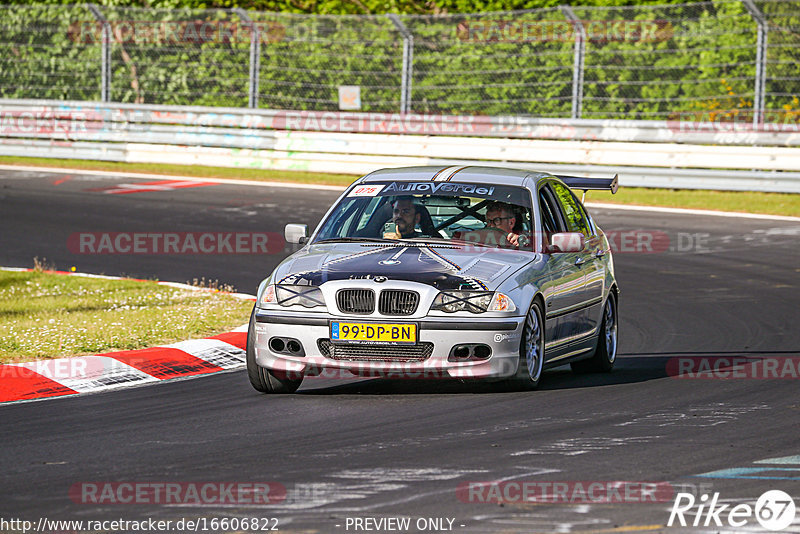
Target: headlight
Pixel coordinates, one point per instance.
(455, 301)
(290, 295)
(472, 301)
(307, 296)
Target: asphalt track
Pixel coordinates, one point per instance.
(345, 450)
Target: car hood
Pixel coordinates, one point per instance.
(443, 266)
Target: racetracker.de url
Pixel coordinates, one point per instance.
(201, 524)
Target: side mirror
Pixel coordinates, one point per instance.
(566, 242)
(296, 233)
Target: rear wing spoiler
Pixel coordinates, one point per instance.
(602, 184)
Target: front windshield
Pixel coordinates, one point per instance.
(482, 214)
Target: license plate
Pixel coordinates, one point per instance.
(384, 333)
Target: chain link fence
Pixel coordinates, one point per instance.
(717, 58)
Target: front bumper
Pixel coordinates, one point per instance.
(502, 335)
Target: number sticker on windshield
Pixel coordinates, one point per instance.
(366, 191)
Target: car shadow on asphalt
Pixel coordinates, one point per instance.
(629, 369)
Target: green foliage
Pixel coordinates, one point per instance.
(359, 7)
(39, 57)
(674, 57)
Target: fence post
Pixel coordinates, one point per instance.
(577, 68)
(255, 58)
(105, 54)
(761, 61)
(408, 63)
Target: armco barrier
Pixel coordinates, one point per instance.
(123, 117)
(645, 153)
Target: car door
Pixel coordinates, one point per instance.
(590, 260)
(595, 270)
(563, 288)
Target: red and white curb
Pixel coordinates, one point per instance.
(103, 372)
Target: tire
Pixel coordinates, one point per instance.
(263, 379)
(605, 354)
(531, 349)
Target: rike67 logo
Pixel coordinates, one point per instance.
(774, 510)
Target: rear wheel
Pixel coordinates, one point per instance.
(606, 352)
(263, 379)
(531, 349)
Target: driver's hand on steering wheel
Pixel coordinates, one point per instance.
(511, 237)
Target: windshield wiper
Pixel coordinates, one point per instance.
(428, 240)
(355, 240)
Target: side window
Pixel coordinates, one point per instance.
(548, 218)
(574, 215)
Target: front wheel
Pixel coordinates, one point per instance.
(531, 349)
(263, 379)
(606, 352)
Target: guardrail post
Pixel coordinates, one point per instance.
(105, 54)
(255, 58)
(761, 61)
(578, 61)
(408, 63)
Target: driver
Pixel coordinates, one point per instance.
(405, 215)
(501, 216)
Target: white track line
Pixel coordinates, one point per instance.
(288, 185)
(685, 211)
(655, 209)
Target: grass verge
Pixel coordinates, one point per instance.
(45, 315)
(751, 202)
